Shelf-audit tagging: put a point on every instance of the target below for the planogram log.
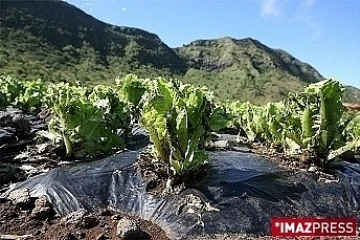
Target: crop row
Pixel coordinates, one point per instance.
(313, 120)
(180, 117)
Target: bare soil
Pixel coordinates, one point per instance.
(17, 222)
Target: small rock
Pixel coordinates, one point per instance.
(190, 211)
(325, 180)
(116, 217)
(21, 197)
(16, 237)
(101, 236)
(312, 169)
(81, 218)
(42, 208)
(242, 149)
(215, 136)
(221, 144)
(128, 228)
(80, 235)
(75, 216)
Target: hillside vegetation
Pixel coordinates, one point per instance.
(56, 41)
(245, 69)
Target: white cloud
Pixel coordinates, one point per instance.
(279, 8)
(272, 8)
(298, 12)
(306, 15)
(123, 9)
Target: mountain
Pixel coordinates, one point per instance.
(351, 95)
(55, 41)
(245, 69)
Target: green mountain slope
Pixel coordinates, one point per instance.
(245, 69)
(56, 41)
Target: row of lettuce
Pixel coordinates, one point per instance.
(91, 120)
(180, 117)
(312, 120)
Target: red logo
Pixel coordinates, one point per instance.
(313, 227)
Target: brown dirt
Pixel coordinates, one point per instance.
(157, 175)
(15, 221)
(351, 107)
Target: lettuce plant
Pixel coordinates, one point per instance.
(26, 95)
(10, 89)
(30, 98)
(131, 89)
(273, 116)
(310, 120)
(352, 135)
(250, 118)
(354, 127)
(177, 117)
(116, 111)
(315, 117)
(87, 120)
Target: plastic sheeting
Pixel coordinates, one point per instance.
(13, 139)
(15, 134)
(239, 195)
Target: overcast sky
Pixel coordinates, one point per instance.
(323, 33)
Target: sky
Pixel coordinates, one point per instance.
(323, 33)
